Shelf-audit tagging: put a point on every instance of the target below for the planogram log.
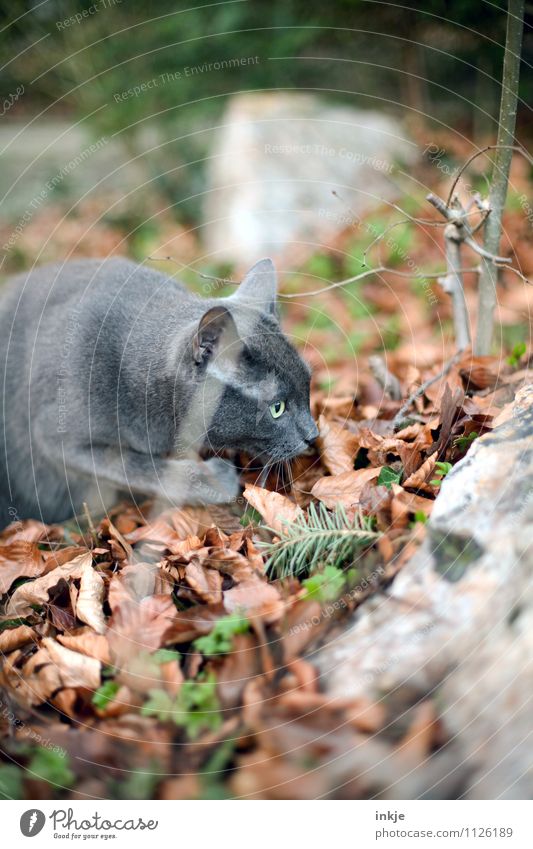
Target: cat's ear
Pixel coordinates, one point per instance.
(259, 288)
(216, 336)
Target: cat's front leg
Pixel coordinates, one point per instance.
(180, 481)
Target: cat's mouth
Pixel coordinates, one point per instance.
(302, 449)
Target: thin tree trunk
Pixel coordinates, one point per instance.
(500, 175)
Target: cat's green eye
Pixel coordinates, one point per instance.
(277, 409)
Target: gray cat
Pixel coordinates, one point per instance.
(116, 378)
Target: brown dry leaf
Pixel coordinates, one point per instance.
(481, 372)
(28, 531)
(75, 669)
(36, 681)
(19, 559)
(236, 669)
(190, 521)
(300, 627)
(413, 502)
(91, 598)
(60, 556)
(234, 564)
(420, 478)
(134, 581)
(338, 446)
(88, 643)
(276, 509)
(342, 406)
(255, 598)
(161, 532)
(36, 592)
(13, 638)
(192, 623)
(138, 623)
(343, 489)
(206, 583)
(367, 438)
(65, 701)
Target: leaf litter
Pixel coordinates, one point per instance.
(173, 643)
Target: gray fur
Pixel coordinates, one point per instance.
(116, 377)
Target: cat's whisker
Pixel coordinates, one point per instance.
(290, 476)
(263, 475)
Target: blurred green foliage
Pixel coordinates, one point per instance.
(89, 57)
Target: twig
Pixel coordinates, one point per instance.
(379, 269)
(399, 420)
(454, 235)
(90, 522)
(519, 274)
(200, 274)
(458, 216)
(453, 284)
(483, 150)
(389, 382)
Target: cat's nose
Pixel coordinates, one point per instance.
(312, 435)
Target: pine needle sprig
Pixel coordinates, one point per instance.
(319, 537)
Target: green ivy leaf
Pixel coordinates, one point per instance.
(52, 767)
(105, 694)
(220, 639)
(158, 704)
(11, 781)
(516, 354)
(166, 656)
(388, 476)
(326, 585)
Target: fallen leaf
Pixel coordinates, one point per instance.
(19, 559)
(137, 624)
(36, 681)
(237, 668)
(344, 489)
(161, 532)
(420, 478)
(338, 446)
(75, 669)
(255, 598)
(13, 638)
(88, 643)
(206, 583)
(29, 531)
(276, 509)
(36, 592)
(194, 622)
(232, 563)
(91, 598)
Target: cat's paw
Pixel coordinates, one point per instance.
(224, 484)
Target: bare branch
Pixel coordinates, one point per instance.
(399, 419)
(500, 174)
(455, 234)
(483, 150)
(501, 260)
(389, 382)
(380, 269)
(453, 283)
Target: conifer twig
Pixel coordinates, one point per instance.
(320, 536)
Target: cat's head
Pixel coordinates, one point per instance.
(255, 384)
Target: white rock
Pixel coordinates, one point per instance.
(277, 160)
